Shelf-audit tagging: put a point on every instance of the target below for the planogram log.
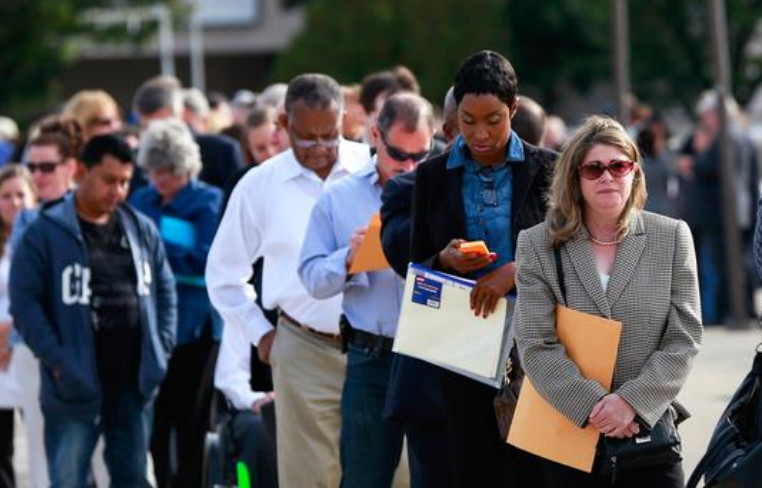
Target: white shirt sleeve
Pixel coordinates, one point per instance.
(232, 373)
(236, 246)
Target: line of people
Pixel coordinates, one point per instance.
(136, 311)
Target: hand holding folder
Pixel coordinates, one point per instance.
(592, 342)
(437, 325)
(370, 256)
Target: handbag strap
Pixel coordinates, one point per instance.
(560, 273)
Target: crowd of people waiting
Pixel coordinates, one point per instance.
(202, 256)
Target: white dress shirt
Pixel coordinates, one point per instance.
(232, 374)
(267, 217)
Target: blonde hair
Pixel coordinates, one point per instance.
(85, 105)
(9, 172)
(565, 215)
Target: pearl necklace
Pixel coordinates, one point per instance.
(606, 243)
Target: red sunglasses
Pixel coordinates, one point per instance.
(617, 168)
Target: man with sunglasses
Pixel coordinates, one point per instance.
(370, 445)
(266, 217)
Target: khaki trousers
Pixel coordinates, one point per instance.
(308, 375)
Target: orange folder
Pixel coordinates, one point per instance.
(370, 256)
(592, 342)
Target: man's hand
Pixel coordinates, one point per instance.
(614, 417)
(264, 346)
(257, 406)
(451, 258)
(355, 241)
(491, 287)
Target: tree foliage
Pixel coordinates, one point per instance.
(36, 43)
(351, 38)
(550, 42)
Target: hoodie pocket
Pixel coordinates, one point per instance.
(74, 382)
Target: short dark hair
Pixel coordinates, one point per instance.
(407, 109)
(65, 133)
(106, 144)
(486, 73)
(158, 93)
(529, 122)
(315, 90)
(375, 84)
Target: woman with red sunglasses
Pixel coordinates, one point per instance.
(599, 252)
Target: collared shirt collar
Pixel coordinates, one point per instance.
(370, 171)
(459, 155)
(293, 167)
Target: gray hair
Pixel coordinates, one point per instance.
(408, 109)
(159, 93)
(449, 106)
(169, 144)
(316, 91)
(274, 96)
(195, 101)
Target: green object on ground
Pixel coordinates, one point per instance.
(242, 473)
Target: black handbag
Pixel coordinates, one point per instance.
(657, 446)
(508, 396)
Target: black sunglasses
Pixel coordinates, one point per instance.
(45, 167)
(400, 155)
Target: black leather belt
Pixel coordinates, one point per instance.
(335, 338)
(365, 340)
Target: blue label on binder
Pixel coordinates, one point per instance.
(427, 292)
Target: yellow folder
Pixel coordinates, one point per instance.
(592, 342)
(370, 256)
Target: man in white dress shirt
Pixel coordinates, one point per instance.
(267, 217)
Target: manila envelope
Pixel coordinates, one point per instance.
(592, 343)
(370, 256)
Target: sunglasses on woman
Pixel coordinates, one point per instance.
(592, 170)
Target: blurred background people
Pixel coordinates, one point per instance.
(354, 114)
(95, 111)
(186, 212)
(17, 364)
(659, 165)
(9, 140)
(700, 201)
(161, 98)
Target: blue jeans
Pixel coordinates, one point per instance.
(125, 423)
(370, 446)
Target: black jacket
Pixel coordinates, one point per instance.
(221, 159)
(414, 392)
(438, 214)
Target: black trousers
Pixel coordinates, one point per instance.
(559, 476)
(7, 477)
(181, 414)
(479, 456)
(428, 455)
(255, 448)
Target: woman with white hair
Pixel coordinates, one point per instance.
(186, 213)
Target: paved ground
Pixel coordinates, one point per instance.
(723, 362)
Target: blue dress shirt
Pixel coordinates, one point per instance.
(487, 192)
(371, 300)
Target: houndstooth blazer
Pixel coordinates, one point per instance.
(653, 291)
